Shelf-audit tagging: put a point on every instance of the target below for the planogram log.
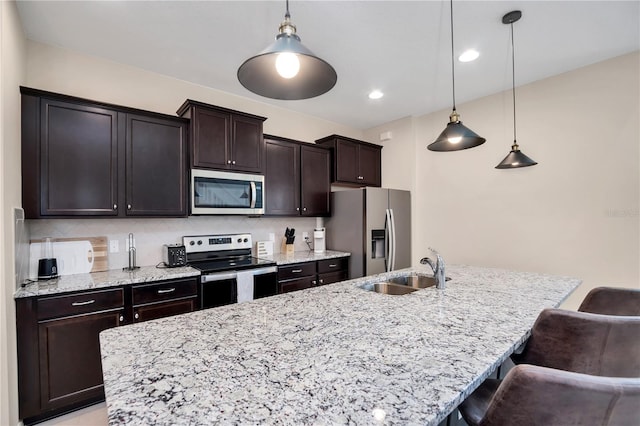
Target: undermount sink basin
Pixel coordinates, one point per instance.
(416, 281)
(402, 285)
(388, 288)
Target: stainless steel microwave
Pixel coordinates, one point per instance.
(214, 192)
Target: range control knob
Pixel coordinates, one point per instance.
(191, 243)
(246, 240)
(239, 240)
(199, 242)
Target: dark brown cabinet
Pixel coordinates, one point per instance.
(355, 163)
(159, 300)
(297, 178)
(300, 276)
(84, 158)
(59, 363)
(224, 139)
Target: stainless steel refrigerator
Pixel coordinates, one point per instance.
(374, 225)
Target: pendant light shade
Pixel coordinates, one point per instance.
(286, 69)
(455, 136)
(515, 158)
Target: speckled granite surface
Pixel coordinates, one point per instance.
(117, 277)
(327, 355)
(304, 256)
(112, 278)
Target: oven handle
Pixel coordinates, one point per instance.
(206, 278)
(261, 271)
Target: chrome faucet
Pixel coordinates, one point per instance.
(438, 268)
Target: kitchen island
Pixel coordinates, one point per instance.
(334, 354)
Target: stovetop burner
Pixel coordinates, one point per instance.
(218, 253)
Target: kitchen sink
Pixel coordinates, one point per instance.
(402, 285)
(416, 281)
(388, 288)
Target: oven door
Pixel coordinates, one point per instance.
(214, 192)
(257, 283)
(218, 289)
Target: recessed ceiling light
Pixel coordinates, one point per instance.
(469, 55)
(376, 94)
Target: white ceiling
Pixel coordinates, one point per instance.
(399, 47)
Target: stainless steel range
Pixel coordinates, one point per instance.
(230, 274)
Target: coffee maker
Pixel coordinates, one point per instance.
(47, 265)
(319, 242)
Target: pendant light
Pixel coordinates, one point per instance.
(456, 136)
(286, 69)
(515, 158)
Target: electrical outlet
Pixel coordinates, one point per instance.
(114, 247)
(305, 236)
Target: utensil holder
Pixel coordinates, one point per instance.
(286, 248)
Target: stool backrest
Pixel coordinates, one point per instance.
(612, 301)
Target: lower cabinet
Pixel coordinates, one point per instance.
(59, 360)
(300, 276)
(159, 300)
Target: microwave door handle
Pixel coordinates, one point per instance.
(253, 194)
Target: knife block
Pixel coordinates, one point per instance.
(286, 248)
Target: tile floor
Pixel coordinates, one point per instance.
(95, 415)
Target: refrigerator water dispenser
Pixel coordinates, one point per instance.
(377, 243)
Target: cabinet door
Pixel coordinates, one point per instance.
(315, 180)
(282, 178)
(332, 277)
(164, 309)
(346, 161)
(79, 160)
(369, 163)
(70, 362)
(247, 146)
(155, 167)
(299, 284)
(211, 130)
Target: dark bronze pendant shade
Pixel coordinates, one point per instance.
(456, 136)
(515, 158)
(306, 76)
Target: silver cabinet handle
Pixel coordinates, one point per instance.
(136, 315)
(333, 265)
(296, 271)
(169, 290)
(304, 209)
(115, 207)
(121, 318)
(88, 302)
(321, 281)
(128, 206)
(313, 282)
(228, 161)
(233, 162)
(297, 209)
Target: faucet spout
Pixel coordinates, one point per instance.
(438, 268)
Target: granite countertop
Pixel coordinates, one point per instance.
(304, 256)
(118, 277)
(95, 280)
(334, 354)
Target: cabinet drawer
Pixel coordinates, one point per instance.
(333, 265)
(299, 284)
(80, 303)
(296, 270)
(157, 292)
(162, 310)
(332, 277)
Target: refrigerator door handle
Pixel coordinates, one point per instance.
(393, 240)
(387, 241)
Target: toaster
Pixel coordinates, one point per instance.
(174, 255)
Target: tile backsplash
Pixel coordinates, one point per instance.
(150, 233)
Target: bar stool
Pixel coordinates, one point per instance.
(539, 396)
(582, 342)
(612, 301)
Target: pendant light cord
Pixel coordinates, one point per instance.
(513, 76)
(453, 76)
(287, 12)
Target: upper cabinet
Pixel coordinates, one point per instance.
(83, 158)
(297, 178)
(224, 139)
(355, 163)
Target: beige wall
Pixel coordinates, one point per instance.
(12, 72)
(575, 213)
(63, 71)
